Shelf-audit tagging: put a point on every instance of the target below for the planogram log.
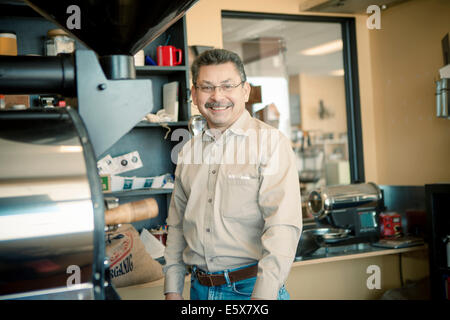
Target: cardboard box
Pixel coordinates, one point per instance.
(17, 99)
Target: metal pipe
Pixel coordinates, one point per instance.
(118, 67)
(37, 75)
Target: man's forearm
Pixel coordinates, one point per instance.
(174, 279)
(175, 269)
(279, 243)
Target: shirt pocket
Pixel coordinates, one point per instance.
(240, 196)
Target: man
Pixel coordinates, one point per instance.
(235, 216)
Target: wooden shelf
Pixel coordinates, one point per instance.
(138, 192)
(144, 124)
(157, 70)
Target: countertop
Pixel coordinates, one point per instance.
(354, 251)
(322, 255)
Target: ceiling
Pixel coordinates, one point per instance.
(345, 6)
(295, 36)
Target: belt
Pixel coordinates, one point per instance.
(212, 280)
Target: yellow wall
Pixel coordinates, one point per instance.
(404, 143)
(413, 145)
(204, 25)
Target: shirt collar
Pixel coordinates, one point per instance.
(239, 127)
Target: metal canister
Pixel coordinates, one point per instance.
(447, 241)
(445, 87)
(58, 41)
(438, 98)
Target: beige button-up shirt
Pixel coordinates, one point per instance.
(236, 201)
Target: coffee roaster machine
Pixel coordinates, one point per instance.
(351, 211)
(51, 205)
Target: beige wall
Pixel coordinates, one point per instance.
(404, 143)
(204, 25)
(413, 145)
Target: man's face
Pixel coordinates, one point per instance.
(221, 108)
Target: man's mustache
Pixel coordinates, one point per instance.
(218, 105)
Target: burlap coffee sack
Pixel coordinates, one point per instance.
(130, 263)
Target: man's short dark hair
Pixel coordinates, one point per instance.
(214, 57)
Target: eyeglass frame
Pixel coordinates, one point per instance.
(220, 87)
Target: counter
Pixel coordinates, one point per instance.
(344, 273)
(330, 273)
(349, 252)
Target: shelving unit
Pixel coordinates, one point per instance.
(138, 192)
(157, 70)
(144, 124)
(149, 139)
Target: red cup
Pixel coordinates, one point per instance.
(167, 56)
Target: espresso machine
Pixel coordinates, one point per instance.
(52, 210)
(351, 211)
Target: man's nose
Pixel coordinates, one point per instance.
(217, 93)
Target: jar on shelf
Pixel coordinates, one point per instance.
(8, 43)
(2, 101)
(58, 41)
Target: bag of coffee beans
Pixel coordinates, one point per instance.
(130, 263)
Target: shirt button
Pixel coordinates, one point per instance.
(209, 200)
(208, 230)
(214, 172)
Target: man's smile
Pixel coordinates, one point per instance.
(217, 107)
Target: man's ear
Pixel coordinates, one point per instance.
(194, 95)
(247, 90)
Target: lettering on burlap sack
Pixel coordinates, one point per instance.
(130, 263)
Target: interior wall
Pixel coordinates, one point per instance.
(413, 145)
(204, 27)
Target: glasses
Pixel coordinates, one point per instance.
(226, 87)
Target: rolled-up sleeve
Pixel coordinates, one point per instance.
(280, 204)
(175, 268)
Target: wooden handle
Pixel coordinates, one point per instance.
(132, 211)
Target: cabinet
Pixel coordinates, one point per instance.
(149, 139)
(438, 225)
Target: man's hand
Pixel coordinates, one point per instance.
(174, 296)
